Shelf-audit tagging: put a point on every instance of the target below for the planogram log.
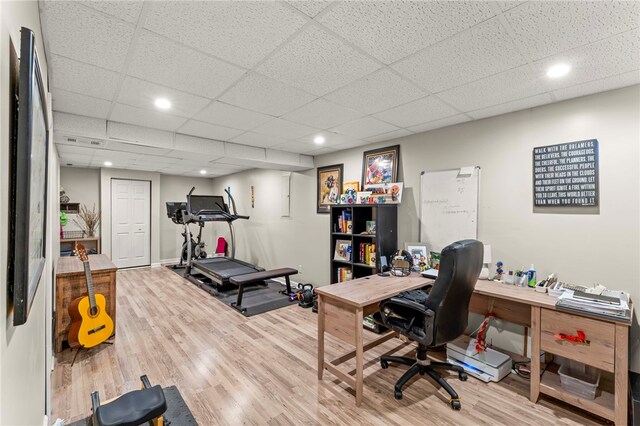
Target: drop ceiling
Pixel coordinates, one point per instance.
(252, 83)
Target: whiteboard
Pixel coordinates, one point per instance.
(448, 206)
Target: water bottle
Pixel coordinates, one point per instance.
(531, 277)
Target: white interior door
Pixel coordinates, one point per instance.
(130, 223)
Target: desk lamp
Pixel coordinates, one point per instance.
(486, 260)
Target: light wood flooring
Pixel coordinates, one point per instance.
(233, 370)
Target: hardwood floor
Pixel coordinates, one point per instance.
(233, 370)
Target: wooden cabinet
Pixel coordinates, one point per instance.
(71, 284)
(385, 237)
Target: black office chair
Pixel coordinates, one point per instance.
(435, 317)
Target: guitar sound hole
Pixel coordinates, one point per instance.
(93, 311)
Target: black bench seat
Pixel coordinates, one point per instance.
(246, 279)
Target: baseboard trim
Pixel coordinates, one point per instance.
(281, 280)
(156, 265)
(169, 261)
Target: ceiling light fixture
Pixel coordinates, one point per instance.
(558, 70)
(163, 103)
(108, 163)
(319, 140)
(203, 172)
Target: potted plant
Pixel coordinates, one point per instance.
(89, 220)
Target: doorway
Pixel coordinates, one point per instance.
(130, 223)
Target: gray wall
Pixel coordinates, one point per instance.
(81, 186)
(25, 351)
(581, 248)
(176, 188)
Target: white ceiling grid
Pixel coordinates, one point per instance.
(274, 75)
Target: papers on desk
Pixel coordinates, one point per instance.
(430, 273)
(615, 306)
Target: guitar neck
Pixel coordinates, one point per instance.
(87, 275)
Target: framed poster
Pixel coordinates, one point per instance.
(419, 255)
(329, 186)
(380, 165)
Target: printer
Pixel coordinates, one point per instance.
(489, 365)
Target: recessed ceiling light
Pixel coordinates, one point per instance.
(319, 140)
(203, 172)
(558, 70)
(163, 103)
(108, 163)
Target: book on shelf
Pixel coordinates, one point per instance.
(345, 222)
(344, 274)
(343, 250)
(367, 254)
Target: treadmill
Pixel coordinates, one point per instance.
(212, 208)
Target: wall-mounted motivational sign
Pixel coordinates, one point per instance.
(566, 174)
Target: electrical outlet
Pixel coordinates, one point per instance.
(299, 269)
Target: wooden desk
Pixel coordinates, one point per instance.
(342, 307)
(71, 283)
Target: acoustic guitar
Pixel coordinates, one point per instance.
(90, 323)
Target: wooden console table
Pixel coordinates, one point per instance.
(341, 308)
(71, 283)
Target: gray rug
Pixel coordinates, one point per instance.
(177, 413)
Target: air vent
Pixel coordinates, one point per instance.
(93, 143)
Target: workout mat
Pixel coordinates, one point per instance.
(177, 410)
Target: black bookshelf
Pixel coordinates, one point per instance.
(385, 238)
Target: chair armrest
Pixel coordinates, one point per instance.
(404, 303)
(408, 314)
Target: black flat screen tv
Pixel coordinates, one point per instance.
(28, 199)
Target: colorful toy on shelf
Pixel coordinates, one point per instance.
(499, 271)
(349, 197)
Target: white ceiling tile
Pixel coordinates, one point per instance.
(75, 150)
(141, 135)
(602, 85)
(321, 151)
(73, 103)
(282, 157)
(233, 150)
(192, 144)
(517, 105)
(297, 147)
(86, 35)
(364, 127)
(317, 62)
(157, 159)
(255, 139)
(140, 149)
(481, 51)
(310, 7)
(330, 138)
(417, 112)
(218, 167)
(545, 28)
(79, 125)
(376, 92)
(352, 144)
(266, 95)
(239, 32)
(126, 10)
(167, 63)
(285, 129)
(521, 82)
(392, 30)
(622, 53)
(444, 122)
(389, 136)
(146, 118)
(142, 94)
(207, 130)
(115, 156)
(509, 4)
(78, 77)
(322, 114)
(232, 116)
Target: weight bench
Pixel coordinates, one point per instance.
(246, 279)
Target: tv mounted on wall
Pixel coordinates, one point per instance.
(28, 200)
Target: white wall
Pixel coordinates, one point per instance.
(582, 248)
(25, 350)
(176, 188)
(82, 186)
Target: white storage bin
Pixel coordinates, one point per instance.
(579, 379)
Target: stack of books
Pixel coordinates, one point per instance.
(367, 254)
(345, 223)
(608, 304)
(344, 274)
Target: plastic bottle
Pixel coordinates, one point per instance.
(531, 277)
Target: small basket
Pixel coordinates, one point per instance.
(70, 235)
(579, 379)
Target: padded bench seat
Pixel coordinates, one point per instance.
(246, 279)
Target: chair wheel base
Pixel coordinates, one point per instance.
(456, 405)
(463, 377)
(384, 364)
(398, 394)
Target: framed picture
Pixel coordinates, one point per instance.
(329, 186)
(418, 252)
(343, 250)
(380, 165)
(28, 193)
(355, 185)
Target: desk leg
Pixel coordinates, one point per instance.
(320, 336)
(359, 357)
(621, 374)
(535, 353)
